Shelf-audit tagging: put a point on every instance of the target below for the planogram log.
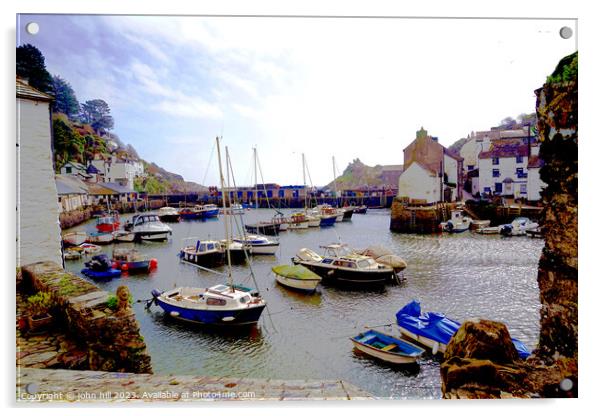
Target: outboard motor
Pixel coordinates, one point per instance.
(156, 294)
(506, 230)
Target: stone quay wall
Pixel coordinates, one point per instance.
(112, 337)
(97, 387)
(418, 219)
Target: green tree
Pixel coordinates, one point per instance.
(68, 143)
(31, 65)
(65, 99)
(97, 114)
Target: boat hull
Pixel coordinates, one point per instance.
(347, 215)
(210, 259)
(100, 238)
(104, 275)
(328, 221)
(305, 285)
(303, 225)
(267, 249)
(431, 344)
(266, 229)
(383, 355)
(245, 316)
(75, 239)
(152, 235)
(142, 266)
(348, 277)
(170, 218)
(212, 213)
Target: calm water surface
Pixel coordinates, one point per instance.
(307, 336)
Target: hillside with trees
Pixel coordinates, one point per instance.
(358, 175)
(83, 130)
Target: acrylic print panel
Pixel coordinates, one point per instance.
(404, 166)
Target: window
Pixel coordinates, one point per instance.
(487, 189)
(519, 159)
(523, 188)
(68, 169)
(495, 160)
(496, 173)
(498, 187)
(470, 167)
(520, 173)
(216, 302)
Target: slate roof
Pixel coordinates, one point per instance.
(114, 186)
(97, 189)
(24, 90)
(505, 150)
(70, 185)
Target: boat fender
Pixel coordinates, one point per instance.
(124, 267)
(435, 348)
(154, 263)
(228, 318)
(115, 265)
(174, 314)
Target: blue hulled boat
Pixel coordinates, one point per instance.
(217, 305)
(100, 268)
(434, 330)
(387, 348)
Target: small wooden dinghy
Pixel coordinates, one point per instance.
(296, 277)
(387, 348)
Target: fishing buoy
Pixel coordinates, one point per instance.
(124, 267)
(153, 263)
(115, 265)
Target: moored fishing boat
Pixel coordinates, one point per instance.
(204, 253)
(362, 209)
(386, 347)
(100, 268)
(121, 236)
(258, 244)
(73, 253)
(74, 238)
(234, 209)
(130, 260)
(457, 223)
(434, 330)
(209, 211)
(168, 214)
(340, 265)
(108, 222)
(148, 227)
(100, 238)
(266, 229)
(298, 221)
(296, 277)
(88, 248)
(518, 227)
(193, 213)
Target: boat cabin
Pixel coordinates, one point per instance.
(144, 219)
(219, 295)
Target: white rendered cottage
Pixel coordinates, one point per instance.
(38, 230)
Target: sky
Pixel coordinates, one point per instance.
(325, 87)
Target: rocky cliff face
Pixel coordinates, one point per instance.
(474, 366)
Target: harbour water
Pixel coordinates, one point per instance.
(307, 336)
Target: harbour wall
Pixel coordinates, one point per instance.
(426, 219)
(111, 337)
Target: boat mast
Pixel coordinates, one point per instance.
(304, 184)
(334, 175)
(221, 179)
(255, 168)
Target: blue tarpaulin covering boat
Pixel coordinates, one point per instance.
(435, 329)
(101, 274)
